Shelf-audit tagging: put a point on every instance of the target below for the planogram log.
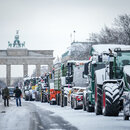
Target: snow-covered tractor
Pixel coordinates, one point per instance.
(67, 75)
(105, 75)
(57, 81)
(110, 84)
(48, 90)
(89, 73)
(45, 93)
(26, 86)
(126, 102)
(66, 81)
(97, 61)
(52, 89)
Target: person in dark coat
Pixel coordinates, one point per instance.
(5, 95)
(18, 94)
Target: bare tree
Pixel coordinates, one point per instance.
(122, 24)
(80, 50)
(118, 34)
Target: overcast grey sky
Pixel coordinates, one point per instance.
(47, 24)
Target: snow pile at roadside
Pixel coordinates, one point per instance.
(84, 120)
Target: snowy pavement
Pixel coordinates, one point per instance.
(30, 117)
(43, 116)
(86, 121)
(13, 118)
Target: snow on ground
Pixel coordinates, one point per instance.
(13, 117)
(86, 121)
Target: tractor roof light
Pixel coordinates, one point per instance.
(117, 49)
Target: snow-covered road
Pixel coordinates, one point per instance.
(39, 116)
(30, 117)
(14, 118)
(87, 121)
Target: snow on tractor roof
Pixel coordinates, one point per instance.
(27, 78)
(78, 61)
(102, 48)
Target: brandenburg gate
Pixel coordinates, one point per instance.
(17, 54)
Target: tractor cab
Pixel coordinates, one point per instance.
(122, 59)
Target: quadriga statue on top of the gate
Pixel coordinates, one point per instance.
(16, 43)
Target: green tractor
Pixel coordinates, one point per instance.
(110, 84)
(66, 81)
(126, 102)
(105, 79)
(66, 76)
(89, 73)
(62, 81)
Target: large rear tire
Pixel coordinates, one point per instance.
(126, 117)
(84, 106)
(111, 99)
(89, 108)
(30, 98)
(58, 99)
(75, 104)
(72, 103)
(65, 101)
(98, 99)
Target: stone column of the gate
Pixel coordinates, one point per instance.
(50, 66)
(8, 74)
(38, 70)
(25, 70)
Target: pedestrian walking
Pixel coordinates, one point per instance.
(18, 94)
(5, 96)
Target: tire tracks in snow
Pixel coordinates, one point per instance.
(46, 120)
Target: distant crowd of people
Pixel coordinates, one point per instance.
(6, 96)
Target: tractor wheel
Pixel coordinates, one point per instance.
(58, 99)
(75, 104)
(126, 117)
(51, 103)
(44, 98)
(98, 99)
(30, 98)
(26, 98)
(72, 103)
(65, 101)
(61, 100)
(41, 98)
(89, 109)
(84, 106)
(110, 99)
(89, 106)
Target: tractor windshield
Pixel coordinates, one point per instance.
(126, 71)
(128, 79)
(122, 59)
